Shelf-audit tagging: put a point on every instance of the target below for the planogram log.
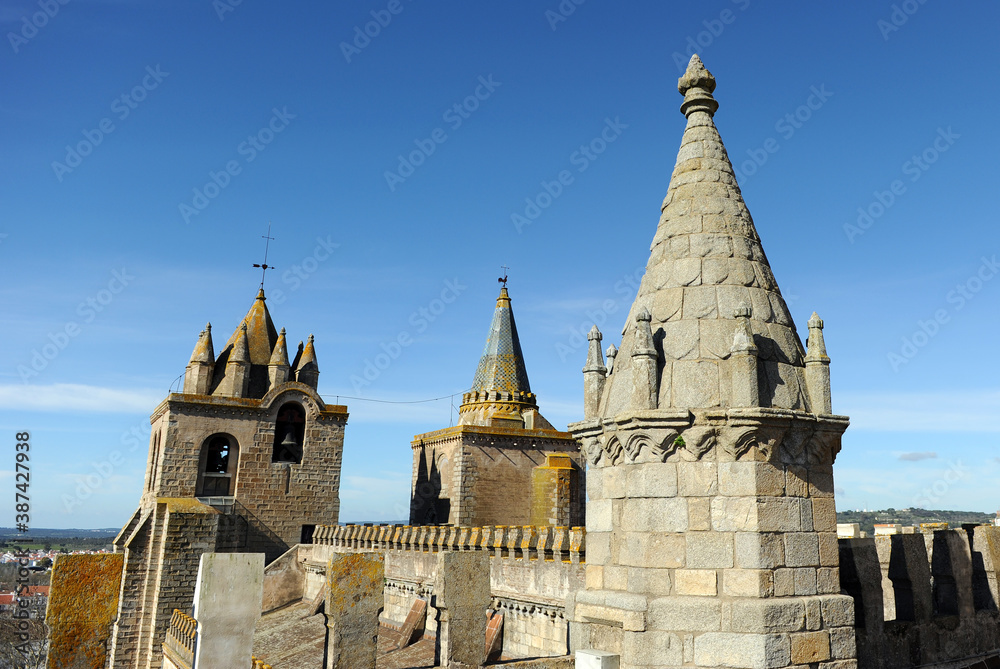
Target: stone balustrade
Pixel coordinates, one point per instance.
(530, 542)
(181, 637)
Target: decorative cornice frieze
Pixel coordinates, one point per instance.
(775, 435)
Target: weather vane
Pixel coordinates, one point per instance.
(264, 266)
(503, 279)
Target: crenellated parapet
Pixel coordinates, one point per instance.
(182, 636)
(924, 599)
(525, 542)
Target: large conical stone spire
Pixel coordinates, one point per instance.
(706, 263)
(711, 523)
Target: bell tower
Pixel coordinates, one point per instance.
(245, 459)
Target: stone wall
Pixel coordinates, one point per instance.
(161, 556)
(924, 599)
(528, 585)
(712, 541)
(478, 475)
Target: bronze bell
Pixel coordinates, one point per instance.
(291, 449)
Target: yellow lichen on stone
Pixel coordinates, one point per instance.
(83, 605)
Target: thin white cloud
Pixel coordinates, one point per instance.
(78, 397)
(961, 411)
(917, 456)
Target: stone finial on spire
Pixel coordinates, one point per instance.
(645, 392)
(594, 375)
(743, 361)
(696, 86)
(818, 368)
(611, 353)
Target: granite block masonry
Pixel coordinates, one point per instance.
(711, 525)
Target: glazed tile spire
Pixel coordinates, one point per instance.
(500, 392)
(706, 264)
(501, 367)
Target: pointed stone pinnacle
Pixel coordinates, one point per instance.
(696, 86)
(594, 334)
(816, 345)
(208, 328)
(282, 333)
(696, 75)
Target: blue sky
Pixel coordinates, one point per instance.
(145, 146)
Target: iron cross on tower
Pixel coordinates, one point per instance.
(264, 266)
(503, 279)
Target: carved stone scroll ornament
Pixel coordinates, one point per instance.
(823, 447)
(698, 441)
(738, 441)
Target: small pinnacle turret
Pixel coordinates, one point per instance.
(743, 361)
(198, 374)
(307, 371)
(644, 382)
(594, 374)
(277, 366)
(818, 369)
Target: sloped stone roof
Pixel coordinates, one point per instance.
(261, 338)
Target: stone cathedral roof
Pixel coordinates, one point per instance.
(707, 262)
(500, 392)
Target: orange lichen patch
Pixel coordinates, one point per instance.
(348, 576)
(83, 605)
(185, 505)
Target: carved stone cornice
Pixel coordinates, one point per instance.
(763, 434)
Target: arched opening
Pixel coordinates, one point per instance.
(219, 459)
(289, 434)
